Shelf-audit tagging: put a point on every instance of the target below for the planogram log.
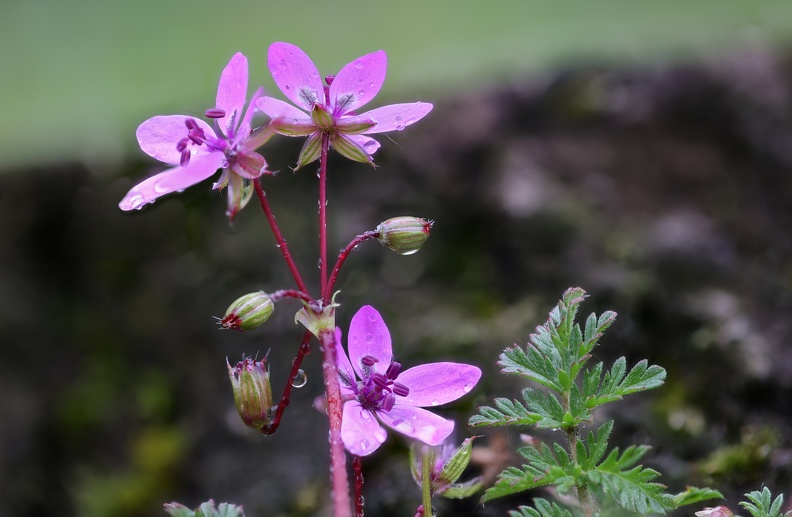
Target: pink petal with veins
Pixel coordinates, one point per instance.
(417, 423)
(358, 82)
(244, 126)
(438, 383)
(296, 75)
(360, 431)
(159, 135)
(232, 92)
(178, 178)
(396, 116)
(275, 108)
(368, 335)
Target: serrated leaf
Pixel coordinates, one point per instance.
(543, 509)
(762, 505)
(693, 495)
(507, 412)
(531, 363)
(632, 489)
(617, 382)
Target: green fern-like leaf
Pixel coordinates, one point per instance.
(542, 469)
(505, 412)
(617, 382)
(632, 489)
(763, 505)
(693, 495)
(544, 508)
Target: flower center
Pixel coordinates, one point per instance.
(378, 390)
(196, 136)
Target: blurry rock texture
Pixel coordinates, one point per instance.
(663, 191)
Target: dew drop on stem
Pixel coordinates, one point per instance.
(300, 379)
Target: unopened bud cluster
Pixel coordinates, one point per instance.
(404, 235)
(248, 311)
(250, 381)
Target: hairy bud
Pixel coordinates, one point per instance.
(404, 235)
(250, 381)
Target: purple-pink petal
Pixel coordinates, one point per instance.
(417, 423)
(358, 82)
(360, 431)
(368, 335)
(177, 178)
(244, 126)
(396, 117)
(438, 383)
(158, 137)
(276, 108)
(232, 93)
(296, 75)
(367, 144)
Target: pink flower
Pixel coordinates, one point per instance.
(196, 150)
(331, 110)
(387, 395)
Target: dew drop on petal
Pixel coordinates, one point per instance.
(467, 387)
(365, 415)
(300, 379)
(364, 444)
(435, 402)
(161, 187)
(369, 338)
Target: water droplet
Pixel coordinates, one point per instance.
(467, 387)
(372, 317)
(369, 338)
(271, 412)
(414, 416)
(364, 444)
(319, 263)
(361, 92)
(161, 187)
(435, 402)
(300, 379)
(398, 119)
(365, 415)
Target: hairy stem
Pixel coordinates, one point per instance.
(342, 505)
(323, 215)
(357, 468)
(573, 434)
(265, 206)
(342, 256)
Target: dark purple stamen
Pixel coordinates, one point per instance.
(185, 158)
(196, 135)
(191, 124)
(400, 389)
(380, 380)
(393, 370)
(369, 360)
(329, 79)
(389, 401)
(215, 113)
(182, 145)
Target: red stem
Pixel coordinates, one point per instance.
(279, 236)
(290, 293)
(328, 292)
(323, 214)
(357, 467)
(305, 349)
(338, 473)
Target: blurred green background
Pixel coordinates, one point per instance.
(638, 149)
(78, 76)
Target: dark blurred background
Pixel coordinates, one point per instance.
(641, 151)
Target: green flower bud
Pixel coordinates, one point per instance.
(404, 235)
(250, 381)
(248, 312)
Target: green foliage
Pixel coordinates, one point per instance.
(543, 509)
(693, 495)
(556, 358)
(763, 505)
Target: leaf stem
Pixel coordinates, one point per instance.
(265, 206)
(342, 256)
(427, 462)
(305, 349)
